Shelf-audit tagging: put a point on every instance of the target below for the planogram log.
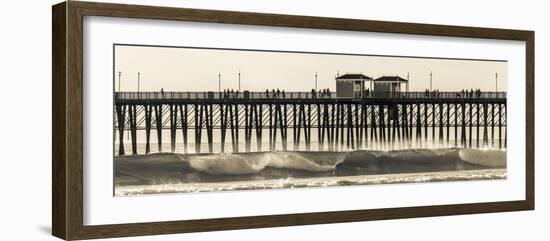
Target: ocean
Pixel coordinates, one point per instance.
(187, 173)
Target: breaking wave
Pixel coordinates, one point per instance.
(484, 157)
(172, 168)
(234, 164)
(356, 162)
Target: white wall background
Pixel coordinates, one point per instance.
(25, 140)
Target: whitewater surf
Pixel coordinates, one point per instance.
(174, 172)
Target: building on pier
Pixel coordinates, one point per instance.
(387, 86)
(355, 86)
(351, 85)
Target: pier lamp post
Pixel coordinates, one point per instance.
(430, 81)
(496, 82)
(119, 74)
(219, 82)
(408, 80)
(139, 76)
(315, 81)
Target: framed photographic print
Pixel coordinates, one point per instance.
(170, 120)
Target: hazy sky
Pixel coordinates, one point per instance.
(188, 69)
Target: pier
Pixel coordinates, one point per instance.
(460, 119)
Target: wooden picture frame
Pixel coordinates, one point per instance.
(67, 123)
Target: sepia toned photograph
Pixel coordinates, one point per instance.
(190, 119)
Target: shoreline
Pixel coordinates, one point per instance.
(314, 182)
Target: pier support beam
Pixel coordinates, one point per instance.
(300, 124)
(337, 126)
(294, 127)
(271, 148)
(148, 117)
(448, 124)
(259, 126)
(247, 127)
(358, 126)
(382, 122)
(232, 127)
(332, 127)
(350, 141)
(133, 128)
(121, 114)
(499, 126)
(209, 116)
(184, 125)
(308, 127)
(485, 126)
(342, 124)
(440, 123)
(158, 123)
(405, 124)
(364, 123)
(470, 123)
(284, 126)
(477, 125)
(426, 124)
(418, 126)
(223, 126)
(173, 125)
(456, 124)
(433, 122)
(237, 124)
(463, 125)
(411, 121)
(319, 128)
(493, 124)
(199, 115)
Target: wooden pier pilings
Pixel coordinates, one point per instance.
(340, 124)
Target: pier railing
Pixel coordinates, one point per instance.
(190, 95)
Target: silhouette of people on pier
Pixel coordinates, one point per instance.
(326, 93)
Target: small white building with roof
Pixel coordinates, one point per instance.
(386, 86)
(351, 85)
